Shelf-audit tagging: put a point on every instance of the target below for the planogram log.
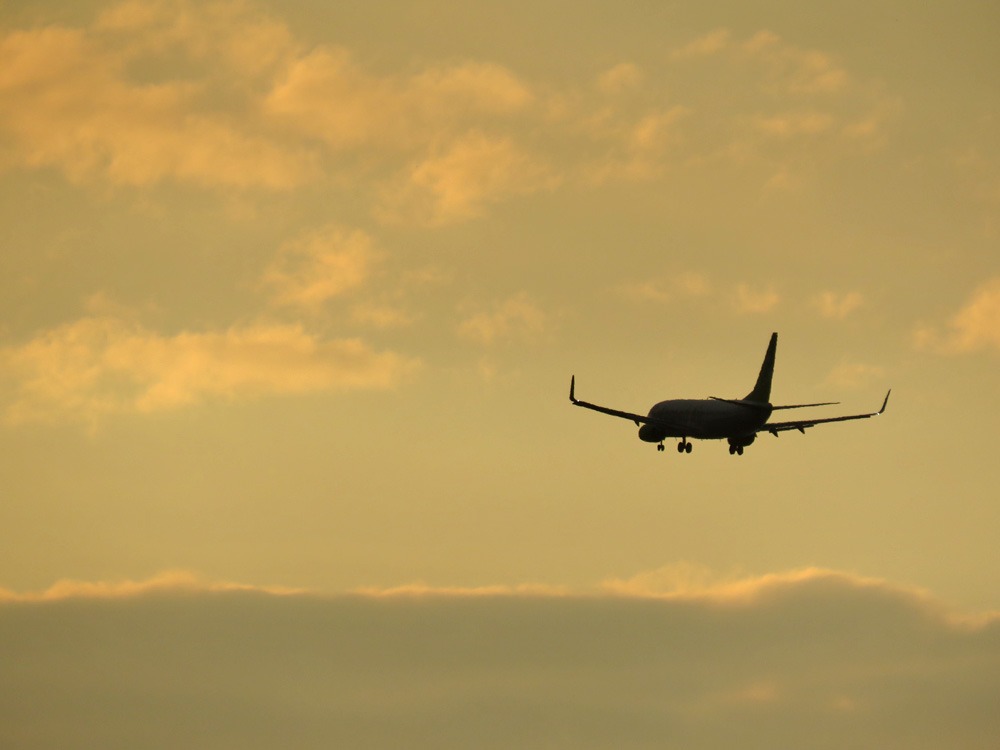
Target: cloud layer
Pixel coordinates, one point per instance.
(256, 108)
(811, 659)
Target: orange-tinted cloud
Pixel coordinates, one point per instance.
(328, 95)
(705, 45)
(104, 365)
(167, 582)
(319, 265)
(459, 182)
(514, 317)
(975, 327)
(837, 306)
(68, 101)
(750, 300)
(854, 374)
(664, 289)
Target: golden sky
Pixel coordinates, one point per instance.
(292, 293)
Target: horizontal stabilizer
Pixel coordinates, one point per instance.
(755, 405)
(803, 424)
(804, 406)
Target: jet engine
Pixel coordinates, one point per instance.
(738, 443)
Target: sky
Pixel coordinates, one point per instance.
(290, 298)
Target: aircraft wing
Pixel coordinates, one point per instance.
(802, 424)
(637, 418)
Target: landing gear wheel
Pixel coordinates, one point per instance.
(688, 447)
(739, 450)
(660, 447)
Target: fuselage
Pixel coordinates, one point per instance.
(705, 419)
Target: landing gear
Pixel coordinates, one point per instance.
(735, 449)
(682, 447)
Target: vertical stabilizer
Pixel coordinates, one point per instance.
(761, 392)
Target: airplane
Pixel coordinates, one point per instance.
(737, 421)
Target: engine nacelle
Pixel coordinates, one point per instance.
(742, 441)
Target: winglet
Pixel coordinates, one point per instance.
(572, 388)
(885, 403)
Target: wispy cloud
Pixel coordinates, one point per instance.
(67, 100)
(704, 46)
(975, 327)
(103, 365)
(515, 317)
(854, 374)
(793, 69)
(166, 582)
(311, 269)
(753, 301)
(458, 183)
(259, 109)
(791, 124)
(667, 288)
(837, 305)
(330, 96)
(424, 590)
(620, 78)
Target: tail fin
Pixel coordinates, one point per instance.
(761, 392)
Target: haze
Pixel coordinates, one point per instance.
(291, 293)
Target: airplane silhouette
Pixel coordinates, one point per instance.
(735, 420)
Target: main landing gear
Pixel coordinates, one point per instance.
(682, 447)
(735, 449)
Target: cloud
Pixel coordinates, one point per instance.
(755, 301)
(460, 181)
(327, 94)
(637, 143)
(837, 306)
(704, 46)
(793, 124)
(794, 70)
(167, 582)
(975, 327)
(515, 317)
(69, 100)
(104, 365)
(381, 316)
(809, 659)
(258, 108)
(232, 34)
(422, 590)
(620, 78)
(319, 265)
(854, 374)
(685, 285)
